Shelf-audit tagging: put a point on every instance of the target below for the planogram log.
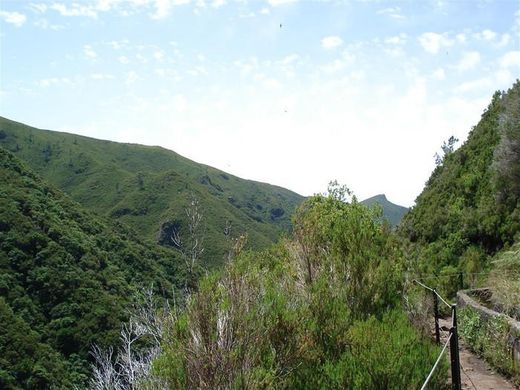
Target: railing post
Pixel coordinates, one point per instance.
(436, 316)
(454, 352)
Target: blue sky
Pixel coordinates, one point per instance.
(295, 93)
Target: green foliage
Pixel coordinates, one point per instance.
(506, 164)
(385, 354)
(319, 311)
(149, 188)
(347, 243)
(490, 337)
(66, 277)
(25, 362)
(462, 216)
(505, 282)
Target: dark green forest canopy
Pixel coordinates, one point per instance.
(148, 188)
(469, 207)
(66, 280)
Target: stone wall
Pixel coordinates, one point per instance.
(513, 339)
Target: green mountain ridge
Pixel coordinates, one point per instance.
(149, 188)
(391, 211)
(66, 280)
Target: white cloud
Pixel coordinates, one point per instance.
(107, 5)
(118, 45)
(287, 60)
(123, 60)
(504, 77)
(45, 25)
(504, 40)
(439, 74)
(48, 82)
(482, 84)
(131, 77)
(265, 11)
(461, 38)
(142, 59)
(198, 71)
(468, 61)
(15, 18)
(489, 35)
(89, 52)
(163, 7)
(510, 59)
(396, 40)
(333, 66)
(433, 42)
(101, 76)
(247, 15)
(218, 3)
(331, 42)
(276, 3)
(75, 9)
(392, 12)
(180, 104)
(40, 7)
(158, 55)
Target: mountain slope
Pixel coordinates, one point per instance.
(469, 208)
(66, 278)
(391, 211)
(150, 187)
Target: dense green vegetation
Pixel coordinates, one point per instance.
(469, 209)
(66, 278)
(322, 310)
(505, 281)
(148, 188)
(392, 212)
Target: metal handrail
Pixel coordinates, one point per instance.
(433, 291)
(436, 362)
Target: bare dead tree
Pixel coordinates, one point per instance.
(104, 373)
(192, 246)
(140, 344)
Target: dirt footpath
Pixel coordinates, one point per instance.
(476, 374)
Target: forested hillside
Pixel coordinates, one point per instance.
(469, 208)
(149, 188)
(66, 280)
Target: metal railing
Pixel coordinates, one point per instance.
(453, 339)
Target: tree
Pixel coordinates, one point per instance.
(140, 344)
(192, 246)
(447, 148)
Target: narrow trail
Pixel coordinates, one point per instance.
(476, 374)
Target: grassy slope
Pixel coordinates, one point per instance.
(145, 186)
(391, 211)
(66, 276)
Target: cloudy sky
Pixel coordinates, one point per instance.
(293, 93)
